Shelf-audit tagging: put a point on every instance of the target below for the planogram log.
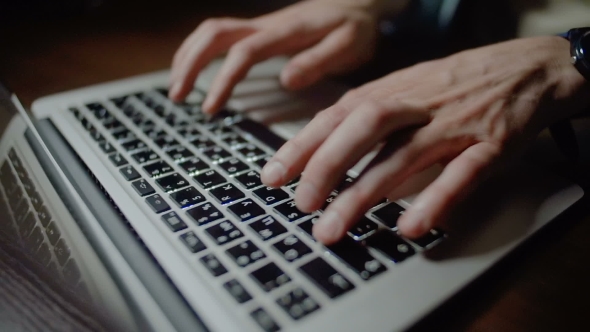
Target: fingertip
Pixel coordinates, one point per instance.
(273, 174)
(175, 92)
(412, 224)
(292, 78)
(307, 197)
(329, 228)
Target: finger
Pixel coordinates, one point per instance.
(208, 41)
(290, 160)
(423, 150)
(371, 123)
(243, 55)
(324, 58)
(458, 178)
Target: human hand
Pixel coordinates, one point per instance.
(468, 112)
(329, 37)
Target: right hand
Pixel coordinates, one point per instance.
(328, 37)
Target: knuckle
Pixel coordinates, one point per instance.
(334, 114)
(375, 113)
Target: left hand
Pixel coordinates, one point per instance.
(466, 111)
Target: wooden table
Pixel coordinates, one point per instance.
(543, 286)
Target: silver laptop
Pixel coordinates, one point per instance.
(162, 213)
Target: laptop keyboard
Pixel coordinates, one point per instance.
(33, 226)
(200, 178)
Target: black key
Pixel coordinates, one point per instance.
(35, 239)
(165, 142)
(21, 211)
(192, 242)
(143, 188)
(202, 142)
(245, 253)
(129, 173)
(29, 186)
(187, 197)
(262, 161)
(233, 166)
(269, 195)
(43, 254)
(390, 245)
(8, 179)
(237, 291)
(107, 147)
(224, 232)
(263, 319)
(133, 145)
(53, 233)
(158, 168)
(389, 214)
(204, 214)
(270, 277)
(268, 227)
(173, 221)
(157, 203)
(298, 304)
(26, 226)
(44, 216)
(362, 229)
(61, 251)
(216, 153)
(234, 140)
(213, 265)
(96, 135)
(71, 272)
(307, 226)
(220, 129)
(113, 125)
(251, 151)
(249, 180)
(246, 210)
(117, 159)
(194, 165)
(86, 124)
(227, 193)
(357, 258)
(326, 278)
(189, 133)
(144, 156)
(209, 179)
(329, 200)
(154, 133)
(347, 182)
(172, 182)
(36, 201)
(124, 135)
(292, 248)
(429, 238)
(179, 153)
(290, 211)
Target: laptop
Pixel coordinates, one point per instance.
(152, 216)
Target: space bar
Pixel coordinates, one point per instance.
(261, 132)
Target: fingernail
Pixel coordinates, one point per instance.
(306, 196)
(327, 230)
(273, 173)
(175, 90)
